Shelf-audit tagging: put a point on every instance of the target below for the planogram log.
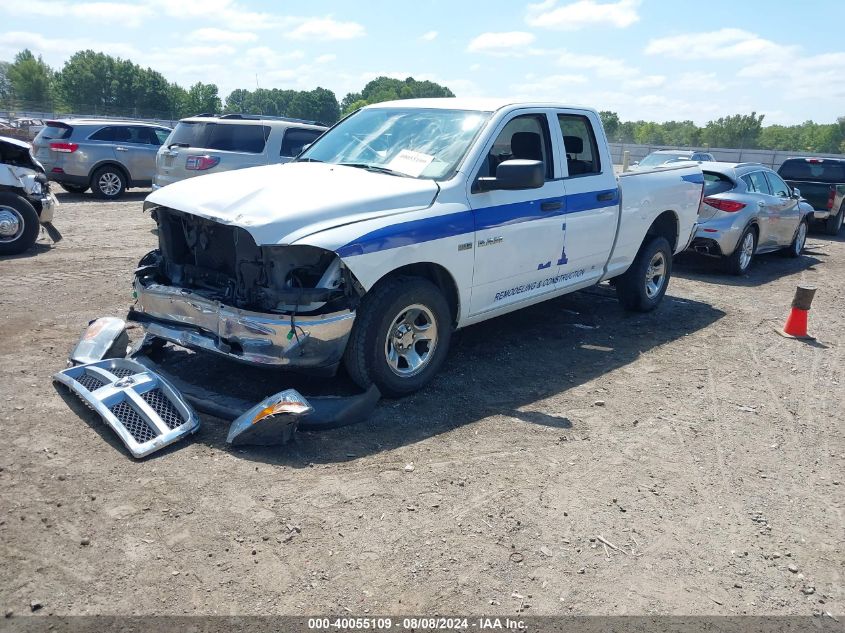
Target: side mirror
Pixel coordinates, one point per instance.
(515, 174)
(635, 163)
(796, 193)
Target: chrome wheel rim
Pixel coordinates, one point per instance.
(411, 340)
(747, 251)
(11, 224)
(801, 238)
(655, 275)
(109, 183)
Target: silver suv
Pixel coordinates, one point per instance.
(107, 156)
(206, 144)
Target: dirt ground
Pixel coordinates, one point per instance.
(570, 459)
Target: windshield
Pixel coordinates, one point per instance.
(654, 160)
(415, 142)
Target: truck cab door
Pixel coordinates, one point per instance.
(518, 233)
(592, 197)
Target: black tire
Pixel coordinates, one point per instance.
(75, 188)
(639, 289)
(108, 182)
(833, 225)
(735, 263)
(797, 246)
(20, 216)
(379, 313)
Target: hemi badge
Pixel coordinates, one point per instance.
(465, 246)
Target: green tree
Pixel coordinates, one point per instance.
(388, 89)
(202, 98)
(611, 124)
(31, 79)
(740, 131)
(5, 82)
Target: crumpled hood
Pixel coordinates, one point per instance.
(280, 204)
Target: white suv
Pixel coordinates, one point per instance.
(206, 144)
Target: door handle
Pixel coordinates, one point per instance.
(121, 149)
(550, 206)
(607, 195)
(761, 204)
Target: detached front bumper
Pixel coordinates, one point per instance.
(185, 318)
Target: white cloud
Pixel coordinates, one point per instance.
(428, 37)
(584, 13)
(221, 35)
(647, 82)
(605, 67)
(509, 43)
(131, 14)
(699, 82)
(728, 43)
(57, 50)
(325, 59)
(326, 29)
(547, 87)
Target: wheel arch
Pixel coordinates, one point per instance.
(109, 163)
(436, 274)
(665, 225)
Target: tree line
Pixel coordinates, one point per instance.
(99, 84)
(741, 131)
(95, 83)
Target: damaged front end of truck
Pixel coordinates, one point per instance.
(210, 287)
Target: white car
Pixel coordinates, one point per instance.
(406, 220)
(667, 156)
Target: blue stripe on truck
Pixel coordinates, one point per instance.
(464, 222)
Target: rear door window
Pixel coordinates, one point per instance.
(297, 138)
(582, 156)
(161, 135)
(756, 183)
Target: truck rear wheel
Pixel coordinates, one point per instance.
(400, 337)
(833, 224)
(19, 225)
(643, 285)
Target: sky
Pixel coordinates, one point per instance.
(655, 60)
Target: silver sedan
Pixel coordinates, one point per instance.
(748, 209)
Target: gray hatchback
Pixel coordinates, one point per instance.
(748, 209)
(107, 156)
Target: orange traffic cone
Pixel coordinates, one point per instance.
(796, 322)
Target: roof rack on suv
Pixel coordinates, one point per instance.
(262, 117)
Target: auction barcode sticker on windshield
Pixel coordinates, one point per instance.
(410, 162)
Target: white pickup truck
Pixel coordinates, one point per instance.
(403, 222)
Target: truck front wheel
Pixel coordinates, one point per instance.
(19, 225)
(400, 337)
(643, 285)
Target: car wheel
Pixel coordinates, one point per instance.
(738, 262)
(75, 188)
(643, 285)
(799, 240)
(108, 183)
(19, 224)
(400, 337)
(834, 224)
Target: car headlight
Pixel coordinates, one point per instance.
(37, 189)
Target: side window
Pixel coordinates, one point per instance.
(103, 134)
(249, 139)
(142, 136)
(779, 187)
(757, 183)
(295, 139)
(582, 156)
(161, 135)
(525, 137)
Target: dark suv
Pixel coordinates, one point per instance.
(822, 184)
(107, 156)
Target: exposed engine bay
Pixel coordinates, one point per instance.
(223, 263)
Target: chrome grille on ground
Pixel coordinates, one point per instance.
(90, 381)
(162, 406)
(138, 404)
(133, 422)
